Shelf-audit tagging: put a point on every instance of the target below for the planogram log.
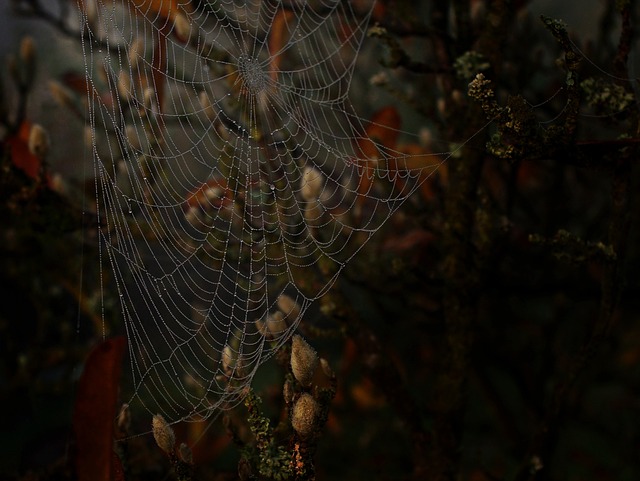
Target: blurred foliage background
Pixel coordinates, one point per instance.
(489, 331)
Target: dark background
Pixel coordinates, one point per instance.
(488, 331)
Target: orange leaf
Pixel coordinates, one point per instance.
(366, 396)
(95, 411)
(278, 36)
(382, 131)
(383, 126)
(422, 159)
(21, 156)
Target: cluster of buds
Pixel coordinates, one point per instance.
(308, 408)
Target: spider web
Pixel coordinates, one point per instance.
(234, 180)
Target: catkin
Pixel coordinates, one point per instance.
(304, 360)
(312, 183)
(39, 143)
(163, 434)
(304, 415)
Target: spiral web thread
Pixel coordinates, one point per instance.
(234, 180)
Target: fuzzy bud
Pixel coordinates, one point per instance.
(27, 49)
(287, 391)
(88, 136)
(133, 139)
(304, 415)
(185, 453)
(425, 137)
(304, 360)
(276, 324)
(228, 360)
(207, 108)
(124, 418)
(28, 58)
(441, 106)
(148, 98)
(91, 13)
(60, 94)
(136, 51)
(39, 143)
(148, 102)
(312, 183)
(326, 369)
(182, 26)
(379, 79)
(163, 434)
(261, 326)
(313, 212)
(289, 308)
(124, 85)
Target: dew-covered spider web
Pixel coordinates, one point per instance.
(235, 179)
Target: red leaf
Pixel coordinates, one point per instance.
(159, 65)
(76, 82)
(21, 156)
(95, 411)
(414, 240)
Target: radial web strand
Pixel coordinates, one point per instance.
(234, 180)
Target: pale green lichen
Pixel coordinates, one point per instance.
(572, 249)
(469, 64)
(606, 98)
(272, 460)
